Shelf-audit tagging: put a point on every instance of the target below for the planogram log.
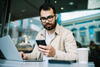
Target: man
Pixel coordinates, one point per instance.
(60, 42)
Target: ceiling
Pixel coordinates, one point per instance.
(21, 9)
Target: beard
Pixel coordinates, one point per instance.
(50, 26)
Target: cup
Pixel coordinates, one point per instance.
(83, 55)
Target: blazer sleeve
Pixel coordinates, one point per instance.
(36, 54)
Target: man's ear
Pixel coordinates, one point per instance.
(56, 16)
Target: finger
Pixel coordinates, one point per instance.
(46, 54)
(21, 53)
(42, 50)
(43, 47)
(24, 56)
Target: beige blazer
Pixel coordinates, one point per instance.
(64, 44)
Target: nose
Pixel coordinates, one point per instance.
(46, 21)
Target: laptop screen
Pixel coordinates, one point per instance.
(9, 49)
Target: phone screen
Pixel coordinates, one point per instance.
(41, 42)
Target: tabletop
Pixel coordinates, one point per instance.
(9, 63)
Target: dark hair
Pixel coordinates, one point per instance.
(47, 6)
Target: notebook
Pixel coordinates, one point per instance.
(9, 49)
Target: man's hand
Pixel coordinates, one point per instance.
(24, 56)
(47, 50)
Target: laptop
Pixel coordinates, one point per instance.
(9, 49)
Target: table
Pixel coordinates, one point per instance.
(9, 63)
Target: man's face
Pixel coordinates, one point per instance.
(48, 19)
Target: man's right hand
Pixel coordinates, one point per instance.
(24, 56)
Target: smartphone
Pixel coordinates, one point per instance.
(41, 42)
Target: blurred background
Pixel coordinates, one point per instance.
(20, 19)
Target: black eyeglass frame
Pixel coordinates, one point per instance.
(49, 18)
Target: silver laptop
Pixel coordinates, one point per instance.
(9, 49)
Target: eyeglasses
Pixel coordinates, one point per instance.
(49, 18)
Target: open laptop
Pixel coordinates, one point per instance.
(9, 49)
